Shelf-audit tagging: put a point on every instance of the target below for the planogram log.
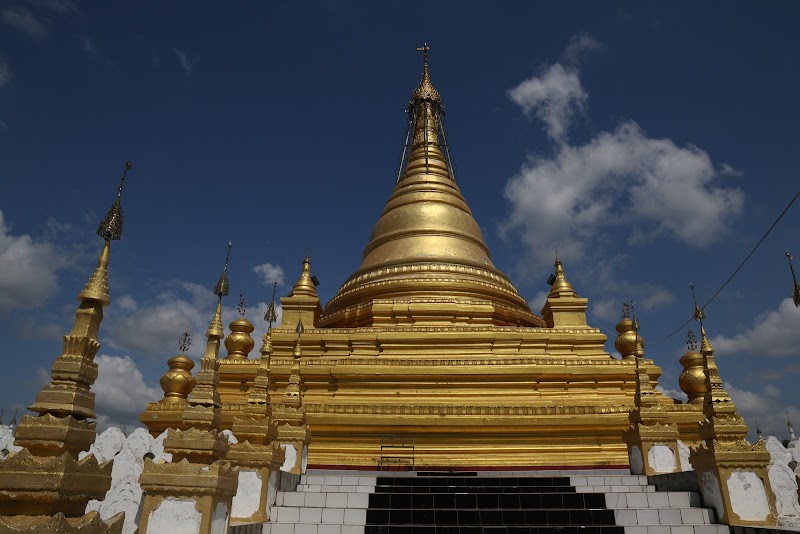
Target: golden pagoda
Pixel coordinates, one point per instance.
(429, 340)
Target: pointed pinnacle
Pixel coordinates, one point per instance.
(185, 342)
(699, 313)
(111, 226)
(271, 315)
(223, 287)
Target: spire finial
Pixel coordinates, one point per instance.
(425, 91)
(699, 313)
(691, 341)
(424, 49)
(271, 315)
(242, 307)
(185, 341)
(110, 228)
(795, 285)
(223, 287)
(639, 349)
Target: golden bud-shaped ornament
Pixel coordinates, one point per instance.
(178, 382)
(693, 378)
(626, 341)
(239, 343)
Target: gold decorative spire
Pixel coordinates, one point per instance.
(220, 290)
(41, 479)
(561, 286)
(304, 285)
(111, 226)
(223, 287)
(645, 393)
(425, 91)
(426, 244)
(722, 422)
(204, 409)
(271, 315)
(291, 397)
(795, 285)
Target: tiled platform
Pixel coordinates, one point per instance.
(554, 502)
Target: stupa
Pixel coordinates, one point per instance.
(429, 345)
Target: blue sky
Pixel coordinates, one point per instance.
(652, 144)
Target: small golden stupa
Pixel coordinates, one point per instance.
(429, 341)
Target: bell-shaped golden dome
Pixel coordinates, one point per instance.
(627, 338)
(426, 246)
(178, 382)
(239, 343)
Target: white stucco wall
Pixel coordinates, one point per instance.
(748, 496)
(661, 458)
(248, 495)
(175, 516)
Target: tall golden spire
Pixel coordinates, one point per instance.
(204, 408)
(426, 244)
(46, 477)
(561, 286)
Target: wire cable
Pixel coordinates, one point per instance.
(739, 268)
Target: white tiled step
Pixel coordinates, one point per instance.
(316, 516)
(684, 529)
(615, 489)
(335, 489)
(337, 480)
(322, 500)
(305, 528)
(629, 480)
(662, 499)
(664, 517)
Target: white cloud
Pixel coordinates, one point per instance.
(121, 393)
(673, 393)
(606, 309)
(269, 273)
(728, 170)
(5, 72)
(126, 302)
(579, 44)
(186, 64)
(27, 270)
(23, 20)
(555, 96)
(774, 333)
(618, 178)
(537, 301)
(155, 327)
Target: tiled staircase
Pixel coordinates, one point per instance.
(566, 502)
